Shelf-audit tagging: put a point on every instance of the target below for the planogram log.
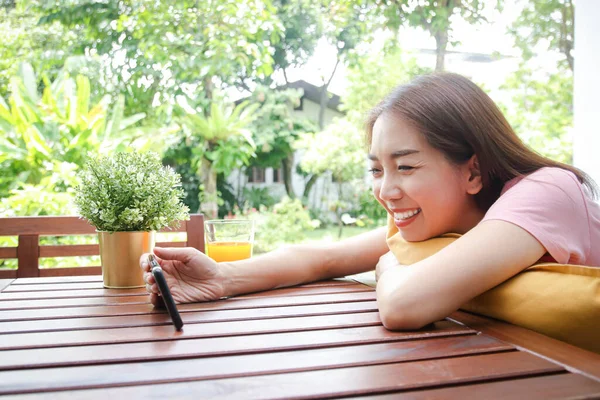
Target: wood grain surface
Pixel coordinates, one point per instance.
(68, 337)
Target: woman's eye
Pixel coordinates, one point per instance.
(374, 171)
(405, 168)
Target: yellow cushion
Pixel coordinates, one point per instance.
(560, 301)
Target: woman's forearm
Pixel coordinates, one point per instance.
(296, 264)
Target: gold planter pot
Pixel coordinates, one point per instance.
(120, 254)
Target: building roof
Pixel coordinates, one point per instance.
(313, 93)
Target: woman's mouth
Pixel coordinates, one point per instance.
(403, 219)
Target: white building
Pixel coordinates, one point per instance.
(272, 178)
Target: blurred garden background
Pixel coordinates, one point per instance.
(258, 104)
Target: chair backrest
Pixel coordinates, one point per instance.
(29, 250)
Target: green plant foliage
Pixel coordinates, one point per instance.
(434, 16)
(23, 40)
(302, 28)
(256, 197)
(369, 212)
(541, 106)
(182, 159)
(286, 223)
(541, 111)
(59, 126)
(370, 80)
(163, 46)
(130, 192)
(221, 142)
(228, 141)
(275, 128)
(338, 149)
(36, 200)
(547, 23)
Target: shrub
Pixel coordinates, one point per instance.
(286, 223)
(130, 192)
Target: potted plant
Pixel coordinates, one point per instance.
(127, 197)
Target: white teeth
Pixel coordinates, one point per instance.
(407, 214)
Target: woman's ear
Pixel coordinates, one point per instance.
(474, 183)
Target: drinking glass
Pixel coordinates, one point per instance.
(229, 239)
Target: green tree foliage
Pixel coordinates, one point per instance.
(435, 16)
(339, 150)
(302, 28)
(60, 125)
(287, 222)
(546, 25)
(541, 110)
(158, 49)
(373, 78)
(345, 27)
(223, 143)
(276, 129)
(44, 47)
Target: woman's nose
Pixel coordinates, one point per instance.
(389, 190)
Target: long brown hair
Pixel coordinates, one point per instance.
(459, 119)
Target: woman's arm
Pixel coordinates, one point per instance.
(416, 295)
(298, 264)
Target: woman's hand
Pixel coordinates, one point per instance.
(386, 261)
(191, 275)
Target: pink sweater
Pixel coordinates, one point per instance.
(555, 208)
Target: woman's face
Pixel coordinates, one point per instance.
(425, 193)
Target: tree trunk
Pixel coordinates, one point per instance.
(339, 211)
(441, 42)
(324, 97)
(287, 82)
(208, 89)
(286, 167)
(208, 176)
(309, 184)
(566, 33)
(208, 202)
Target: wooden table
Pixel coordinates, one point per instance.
(70, 338)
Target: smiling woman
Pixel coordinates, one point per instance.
(444, 160)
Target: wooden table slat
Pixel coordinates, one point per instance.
(190, 331)
(577, 359)
(70, 294)
(68, 337)
(97, 284)
(86, 293)
(33, 309)
(171, 349)
(338, 382)
(73, 324)
(58, 279)
(244, 365)
(554, 387)
(55, 286)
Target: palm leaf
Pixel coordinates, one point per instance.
(29, 81)
(83, 95)
(112, 127)
(131, 120)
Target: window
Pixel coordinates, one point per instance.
(300, 106)
(277, 175)
(256, 175)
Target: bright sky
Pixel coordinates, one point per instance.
(485, 38)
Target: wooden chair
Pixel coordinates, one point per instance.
(29, 250)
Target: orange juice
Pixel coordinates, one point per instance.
(229, 251)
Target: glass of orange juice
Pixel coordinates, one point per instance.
(229, 239)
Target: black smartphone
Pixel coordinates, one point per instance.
(165, 293)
